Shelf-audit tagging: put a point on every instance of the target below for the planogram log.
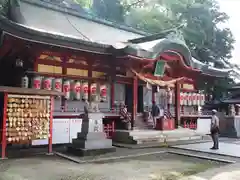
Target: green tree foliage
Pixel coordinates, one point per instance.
(84, 3)
(109, 9)
(208, 42)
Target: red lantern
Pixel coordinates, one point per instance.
(190, 99)
(77, 90)
(198, 99)
(47, 83)
(94, 89)
(85, 91)
(66, 89)
(202, 99)
(194, 99)
(57, 85)
(103, 93)
(37, 82)
(185, 99)
(181, 98)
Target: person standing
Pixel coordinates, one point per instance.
(155, 113)
(214, 129)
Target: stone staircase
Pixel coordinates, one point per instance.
(140, 124)
(158, 137)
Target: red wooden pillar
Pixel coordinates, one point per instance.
(135, 100)
(112, 94)
(177, 104)
(89, 81)
(4, 140)
(64, 72)
(113, 80)
(51, 126)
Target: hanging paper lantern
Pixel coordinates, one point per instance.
(25, 82)
(77, 90)
(181, 98)
(103, 93)
(85, 91)
(47, 83)
(194, 99)
(66, 89)
(57, 84)
(93, 89)
(198, 99)
(190, 99)
(202, 99)
(37, 82)
(185, 99)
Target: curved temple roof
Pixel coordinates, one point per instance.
(51, 24)
(153, 49)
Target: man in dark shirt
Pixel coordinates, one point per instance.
(155, 112)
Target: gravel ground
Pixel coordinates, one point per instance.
(141, 168)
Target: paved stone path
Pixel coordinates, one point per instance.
(227, 149)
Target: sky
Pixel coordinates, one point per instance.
(231, 7)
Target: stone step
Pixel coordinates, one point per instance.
(165, 139)
(144, 136)
(147, 137)
(89, 152)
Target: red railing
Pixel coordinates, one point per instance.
(109, 129)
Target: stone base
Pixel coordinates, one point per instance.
(89, 152)
(92, 144)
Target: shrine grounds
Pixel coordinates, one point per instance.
(147, 167)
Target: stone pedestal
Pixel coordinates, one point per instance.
(92, 139)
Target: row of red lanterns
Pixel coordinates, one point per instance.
(192, 99)
(79, 90)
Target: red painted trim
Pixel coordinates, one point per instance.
(4, 140)
(51, 126)
(67, 116)
(79, 116)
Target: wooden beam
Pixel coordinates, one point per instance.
(135, 100)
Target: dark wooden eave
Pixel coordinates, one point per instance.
(34, 35)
